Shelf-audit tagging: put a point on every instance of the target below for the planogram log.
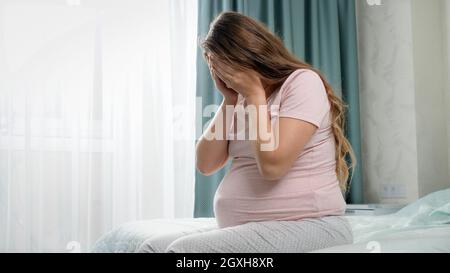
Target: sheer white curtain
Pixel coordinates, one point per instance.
(96, 118)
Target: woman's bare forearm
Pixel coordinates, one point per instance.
(212, 148)
(276, 148)
(264, 146)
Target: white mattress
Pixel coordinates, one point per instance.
(423, 226)
(429, 240)
(130, 236)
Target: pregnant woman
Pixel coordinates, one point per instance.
(289, 171)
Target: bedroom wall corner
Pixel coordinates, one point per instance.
(446, 36)
(430, 65)
(404, 66)
(388, 119)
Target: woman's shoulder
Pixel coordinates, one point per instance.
(304, 97)
(303, 75)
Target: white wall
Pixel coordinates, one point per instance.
(428, 25)
(389, 145)
(404, 99)
(446, 35)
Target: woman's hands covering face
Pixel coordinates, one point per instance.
(246, 82)
(229, 94)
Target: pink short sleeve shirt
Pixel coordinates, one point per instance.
(310, 188)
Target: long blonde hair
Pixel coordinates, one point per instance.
(246, 43)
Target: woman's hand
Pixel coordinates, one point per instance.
(229, 95)
(247, 83)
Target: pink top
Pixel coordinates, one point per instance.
(309, 189)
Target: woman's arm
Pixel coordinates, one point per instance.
(276, 149)
(212, 148)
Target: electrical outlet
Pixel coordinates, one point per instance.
(393, 190)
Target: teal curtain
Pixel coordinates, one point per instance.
(321, 32)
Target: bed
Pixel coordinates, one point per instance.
(423, 226)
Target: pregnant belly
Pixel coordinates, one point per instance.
(244, 196)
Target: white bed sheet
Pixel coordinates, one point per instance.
(130, 236)
(421, 240)
(423, 226)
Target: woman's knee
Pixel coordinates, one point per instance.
(205, 242)
(158, 244)
(184, 244)
(148, 246)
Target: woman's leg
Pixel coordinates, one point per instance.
(159, 243)
(271, 236)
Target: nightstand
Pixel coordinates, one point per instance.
(372, 209)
